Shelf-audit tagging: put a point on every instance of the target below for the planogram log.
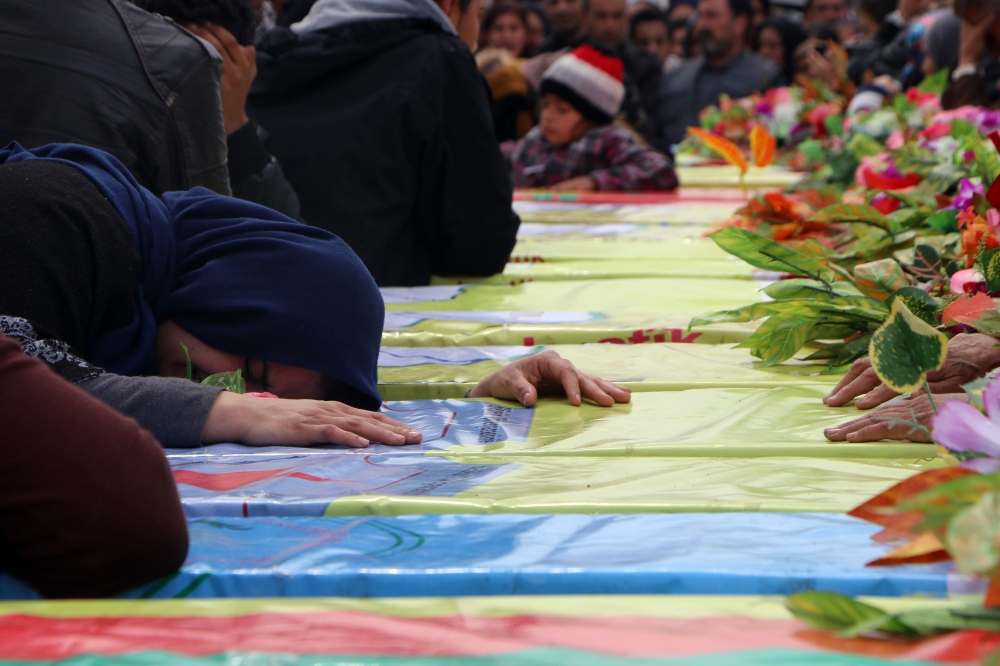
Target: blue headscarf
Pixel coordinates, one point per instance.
(238, 276)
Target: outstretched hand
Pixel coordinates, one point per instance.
(891, 421)
(256, 421)
(970, 356)
(548, 374)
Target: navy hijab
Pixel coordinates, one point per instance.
(236, 275)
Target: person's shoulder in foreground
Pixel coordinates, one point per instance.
(148, 92)
(577, 146)
(383, 124)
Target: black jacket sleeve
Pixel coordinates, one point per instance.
(476, 229)
(256, 175)
(197, 121)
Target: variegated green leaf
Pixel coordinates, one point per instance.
(783, 340)
(769, 255)
(990, 267)
(880, 279)
(905, 348)
(920, 303)
(912, 158)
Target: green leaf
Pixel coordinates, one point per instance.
(769, 255)
(987, 162)
(858, 213)
(804, 288)
(187, 356)
(936, 620)
(919, 303)
(936, 83)
(834, 124)
(973, 534)
(945, 221)
(912, 158)
(926, 263)
(990, 266)
(880, 279)
(862, 145)
(943, 177)
(905, 348)
(829, 610)
(974, 390)
(778, 339)
(231, 381)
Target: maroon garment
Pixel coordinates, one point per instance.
(88, 506)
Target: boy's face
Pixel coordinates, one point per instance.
(561, 123)
(654, 36)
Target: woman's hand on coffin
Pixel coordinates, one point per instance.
(548, 374)
(264, 421)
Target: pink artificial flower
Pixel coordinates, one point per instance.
(964, 277)
(993, 219)
(959, 426)
(895, 140)
(936, 131)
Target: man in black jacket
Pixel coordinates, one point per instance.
(107, 74)
(382, 123)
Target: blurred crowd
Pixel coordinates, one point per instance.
(681, 56)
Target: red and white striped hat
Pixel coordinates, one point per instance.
(590, 80)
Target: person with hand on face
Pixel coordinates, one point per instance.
(381, 119)
(816, 58)
(576, 146)
(726, 66)
(607, 26)
(970, 357)
(229, 26)
(107, 283)
(888, 51)
(973, 82)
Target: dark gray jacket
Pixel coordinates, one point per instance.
(685, 91)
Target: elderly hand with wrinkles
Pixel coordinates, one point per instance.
(970, 356)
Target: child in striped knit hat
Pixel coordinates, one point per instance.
(576, 146)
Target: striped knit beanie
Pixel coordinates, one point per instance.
(590, 80)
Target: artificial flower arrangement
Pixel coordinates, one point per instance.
(848, 262)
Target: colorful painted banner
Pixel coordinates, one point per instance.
(496, 631)
(418, 556)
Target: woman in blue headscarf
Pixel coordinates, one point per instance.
(110, 284)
